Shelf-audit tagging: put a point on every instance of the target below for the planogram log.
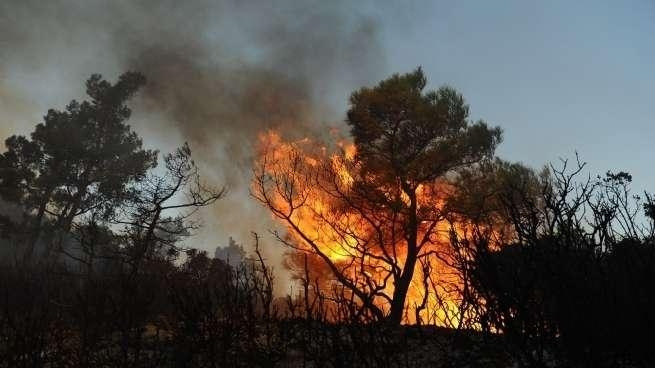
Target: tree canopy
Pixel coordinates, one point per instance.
(403, 133)
(381, 206)
(80, 159)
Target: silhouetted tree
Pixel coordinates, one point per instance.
(77, 161)
(570, 282)
(406, 140)
(84, 174)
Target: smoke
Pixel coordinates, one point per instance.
(219, 72)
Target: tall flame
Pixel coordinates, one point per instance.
(309, 202)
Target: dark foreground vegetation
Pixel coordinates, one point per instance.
(556, 269)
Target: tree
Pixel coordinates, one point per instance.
(571, 278)
(374, 216)
(77, 161)
(86, 186)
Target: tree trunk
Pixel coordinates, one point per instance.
(401, 289)
(403, 282)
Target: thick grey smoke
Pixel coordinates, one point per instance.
(218, 73)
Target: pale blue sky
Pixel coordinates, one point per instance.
(558, 76)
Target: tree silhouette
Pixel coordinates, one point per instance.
(384, 217)
(570, 280)
(77, 161)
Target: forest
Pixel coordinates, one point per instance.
(408, 241)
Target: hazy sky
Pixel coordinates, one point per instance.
(557, 76)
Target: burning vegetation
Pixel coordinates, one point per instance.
(353, 252)
(368, 220)
(408, 226)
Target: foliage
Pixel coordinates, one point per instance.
(77, 162)
(573, 280)
(382, 205)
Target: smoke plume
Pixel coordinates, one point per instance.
(219, 72)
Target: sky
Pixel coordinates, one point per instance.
(558, 76)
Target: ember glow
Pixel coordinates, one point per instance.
(311, 189)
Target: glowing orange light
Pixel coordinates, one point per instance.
(317, 216)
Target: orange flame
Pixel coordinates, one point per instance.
(338, 231)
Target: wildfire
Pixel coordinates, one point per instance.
(310, 196)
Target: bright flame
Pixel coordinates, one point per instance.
(310, 200)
